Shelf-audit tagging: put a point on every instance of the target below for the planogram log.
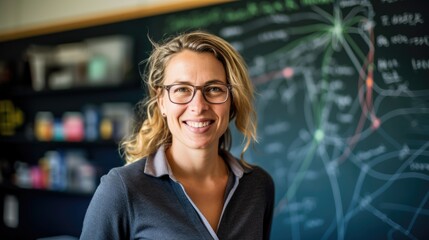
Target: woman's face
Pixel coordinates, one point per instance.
(197, 124)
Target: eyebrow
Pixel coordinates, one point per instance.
(215, 81)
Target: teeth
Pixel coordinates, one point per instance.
(198, 124)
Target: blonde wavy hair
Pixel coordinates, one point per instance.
(153, 131)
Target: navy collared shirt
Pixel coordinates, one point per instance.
(143, 200)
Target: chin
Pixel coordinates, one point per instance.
(200, 144)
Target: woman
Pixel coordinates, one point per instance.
(180, 181)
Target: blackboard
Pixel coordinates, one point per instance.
(343, 108)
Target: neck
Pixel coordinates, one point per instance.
(195, 163)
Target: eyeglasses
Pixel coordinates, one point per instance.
(184, 93)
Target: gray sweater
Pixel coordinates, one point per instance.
(143, 200)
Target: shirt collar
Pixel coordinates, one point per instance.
(157, 164)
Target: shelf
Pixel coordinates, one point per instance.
(26, 91)
(12, 189)
(98, 143)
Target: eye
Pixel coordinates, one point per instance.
(182, 89)
(215, 88)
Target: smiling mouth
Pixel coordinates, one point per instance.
(198, 124)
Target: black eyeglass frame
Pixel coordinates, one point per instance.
(201, 88)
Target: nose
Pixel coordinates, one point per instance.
(198, 104)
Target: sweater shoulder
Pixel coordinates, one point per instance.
(128, 172)
(261, 174)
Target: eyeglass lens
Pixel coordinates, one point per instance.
(184, 93)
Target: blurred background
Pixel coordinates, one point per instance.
(342, 103)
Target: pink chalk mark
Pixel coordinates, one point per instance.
(288, 72)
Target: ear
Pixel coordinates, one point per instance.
(161, 102)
